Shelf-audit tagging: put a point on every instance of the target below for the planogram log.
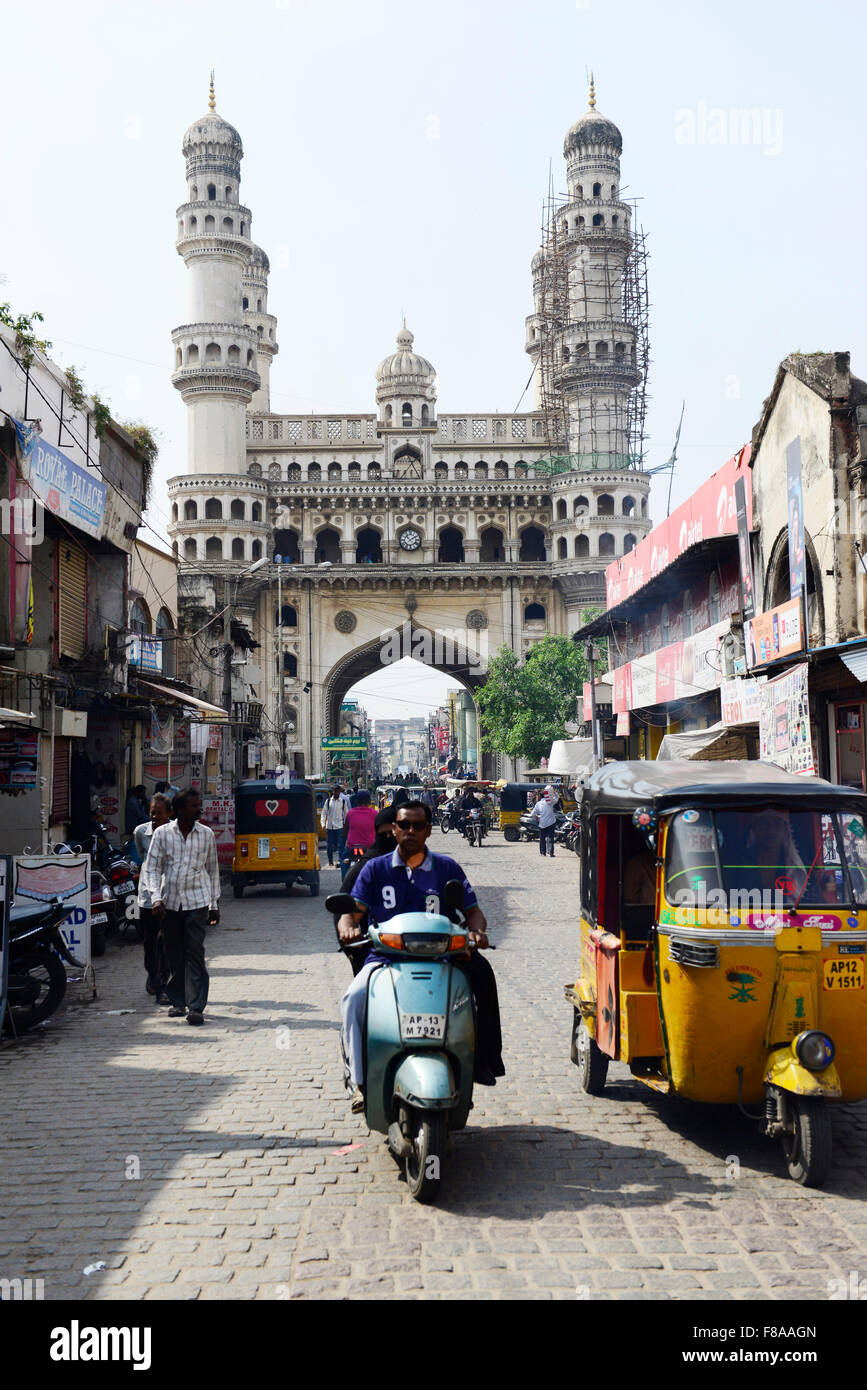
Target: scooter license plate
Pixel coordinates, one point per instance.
(99, 919)
(123, 888)
(843, 972)
(422, 1026)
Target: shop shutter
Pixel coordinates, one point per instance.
(71, 599)
(60, 785)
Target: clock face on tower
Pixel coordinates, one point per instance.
(410, 539)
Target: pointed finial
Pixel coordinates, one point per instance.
(591, 100)
(212, 101)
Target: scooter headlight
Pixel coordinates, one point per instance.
(423, 944)
(814, 1050)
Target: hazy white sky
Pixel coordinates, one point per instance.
(396, 159)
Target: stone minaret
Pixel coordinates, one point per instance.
(216, 350)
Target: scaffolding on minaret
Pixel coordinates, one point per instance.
(553, 315)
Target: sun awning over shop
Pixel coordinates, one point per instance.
(570, 757)
(212, 713)
(717, 743)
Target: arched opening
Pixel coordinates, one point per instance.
(605, 505)
(256, 512)
(521, 469)
(293, 473)
(462, 470)
(174, 511)
(598, 219)
(236, 510)
(285, 616)
(406, 415)
(213, 353)
(451, 546)
(491, 546)
(601, 352)
(561, 509)
(210, 224)
(228, 224)
(481, 471)
(260, 332)
(388, 414)
(213, 509)
(582, 547)
(256, 550)
(374, 470)
(237, 548)
(287, 546)
(619, 352)
(354, 471)
(212, 192)
(192, 355)
(249, 357)
(289, 665)
(562, 549)
(532, 544)
(213, 548)
(245, 303)
(606, 543)
(228, 195)
(644, 506)
(328, 546)
(629, 543)
(441, 471)
(234, 353)
(581, 506)
(368, 547)
(425, 415)
(314, 473)
(165, 629)
(179, 359)
(407, 464)
(191, 512)
(534, 613)
(597, 190)
(139, 617)
(190, 550)
(258, 306)
(501, 469)
(628, 507)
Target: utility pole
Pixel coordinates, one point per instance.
(592, 658)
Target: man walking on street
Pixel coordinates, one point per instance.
(154, 950)
(182, 875)
(334, 814)
(543, 813)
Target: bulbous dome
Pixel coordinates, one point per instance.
(593, 129)
(211, 129)
(258, 266)
(405, 366)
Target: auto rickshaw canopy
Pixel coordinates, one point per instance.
(624, 786)
(289, 810)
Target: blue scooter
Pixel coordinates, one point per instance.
(420, 1035)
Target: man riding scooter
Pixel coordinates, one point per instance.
(412, 879)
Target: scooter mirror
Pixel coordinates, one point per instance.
(454, 895)
(340, 903)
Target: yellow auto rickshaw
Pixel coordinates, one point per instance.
(513, 803)
(275, 836)
(723, 941)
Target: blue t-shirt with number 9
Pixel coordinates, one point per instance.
(387, 886)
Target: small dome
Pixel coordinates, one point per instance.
(404, 365)
(593, 129)
(258, 264)
(212, 129)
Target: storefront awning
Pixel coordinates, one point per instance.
(15, 716)
(571, 757)
(719, 742)
(213, 712)
(856, 662)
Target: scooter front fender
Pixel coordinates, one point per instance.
(784, 1071)
(426, 1080)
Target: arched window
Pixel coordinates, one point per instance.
(335, 473)
(521, 469)
(256, 550)
(601, 352)
(139, 617)
(260, 332)
(245, 303)
(192, 355)
(368, 547)
(562, 549)
(598, 219)
(290, 664)
(314, 473)
(289, 616)
(354, 471)
(532, 544)
(293, 473)
(451, 546)
(174, 511)
(256, 512)
(258, 306)
(249, 357)
(629, 543)
(328, 546)
(228, 198)
(234, 353)
(619, 352)
(644, 506)
(565, 353)
(228, 224)
(606, 543)
(580, 191)
(582, 546)
(287, 546)
(213, 548)
(534, 613)
(441, 471)
(237, 549)
(214, 509)
(491, 547)
(213, 352)
(210, 224)
(615, 220)
(561, 509)
(212, 193)
(597, 190)
(461, 470)
(581, 507)
(179, 359)
(628, 508)
(425, 415)
(191, 512)
(613, 191)
(165, 629)
(190, 550)
(236, 511)
(481, 470)
(374, 470)
(605, 505)
(388, 414)
(501, 469)
(406, 415)
(408, 464)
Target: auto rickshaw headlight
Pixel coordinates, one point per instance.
(814, 1050)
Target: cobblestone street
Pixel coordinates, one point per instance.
(223, 1162)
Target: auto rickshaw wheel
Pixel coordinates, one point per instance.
(314, 887)
(808, 1147)
(238, 889)
(511, 833)
(591, 1060)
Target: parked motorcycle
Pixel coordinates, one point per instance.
(528, 829)
(103, 912)
(420, 1035)
(36, 980)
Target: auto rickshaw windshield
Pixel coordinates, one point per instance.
(783, 855)
(286, 813)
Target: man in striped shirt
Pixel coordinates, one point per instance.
(182, 875)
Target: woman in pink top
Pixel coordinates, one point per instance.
(360, 824)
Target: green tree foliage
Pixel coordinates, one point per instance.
(26, 340)
(524, 706)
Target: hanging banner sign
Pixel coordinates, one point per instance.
(358, 746)
(218, 814)
(39, 878)
(68, 491)
(622, 727)
(690, 667)
(797, 557)
(775, 634)
(741, 701)
(745, 557)
(785, 736)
